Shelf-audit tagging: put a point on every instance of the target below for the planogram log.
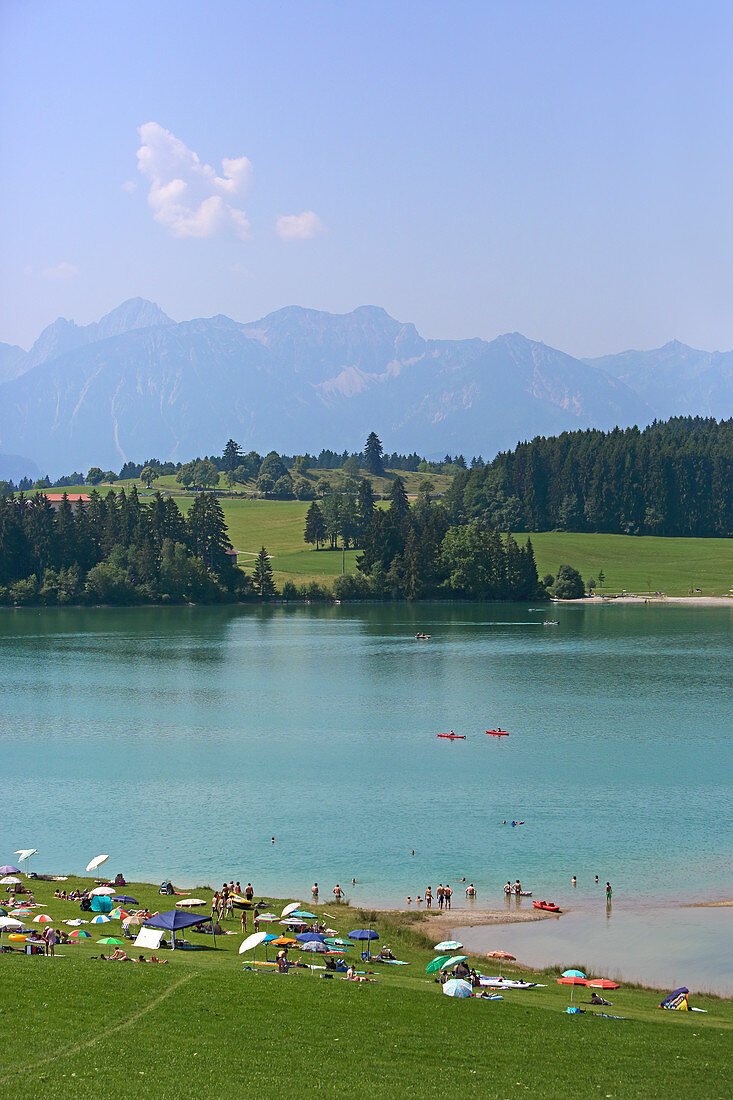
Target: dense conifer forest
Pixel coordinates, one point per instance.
(673, 478)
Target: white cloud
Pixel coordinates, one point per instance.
(63, 270)
(129, 186)
(186, 195)
(299, 227)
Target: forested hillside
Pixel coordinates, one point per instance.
(673, 478)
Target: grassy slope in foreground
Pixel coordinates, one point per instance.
(188, 1028)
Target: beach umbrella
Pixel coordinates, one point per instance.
(336, 941)
(315, 945)
(79, 934)
(603, 983)
(267, 916)
(136, 918)
(110, 939)
(24, 854)
(7, 870)
(252, 942)
(573, 974)
(102, 891)
(367, 934)
(456, 987)
(10, 880)
(302, 913)
(96, 862)
(290, 923)
(122, 900)
(9, 924)
(572, 981)
(188, 903)
(309, 937)
(436, 963)
(454, 960)
(290, 908)
(283, 941)
(102, 918)
(448, 945)
(22, 911)
(119, 914)
(502, 956)
(43, 918)
(102, 905)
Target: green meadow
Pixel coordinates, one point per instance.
(674, 566)
(202, 1024)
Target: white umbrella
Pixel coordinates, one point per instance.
(252, 942)
(9, 924)
(24, 854)
(9, 880)
(294, 923)
(96, 862)
(101, 890)
(291, 908)
(191, 901)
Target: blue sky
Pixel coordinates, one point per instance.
(561, 169)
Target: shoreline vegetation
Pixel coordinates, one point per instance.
(575, 496)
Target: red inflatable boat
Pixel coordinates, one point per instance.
(548, 906)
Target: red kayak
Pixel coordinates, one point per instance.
(548, 906)
(497, 733)
(452, 736)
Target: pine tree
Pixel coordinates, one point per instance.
(207, 532)
(232, 456)
(373, 452)
(315, 527)
(400, 506)
(262, 580)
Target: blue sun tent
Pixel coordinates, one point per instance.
(175, 921)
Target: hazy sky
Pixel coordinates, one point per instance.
(561, 169)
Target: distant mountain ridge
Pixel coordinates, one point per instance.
(137, 384)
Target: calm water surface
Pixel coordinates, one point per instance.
(182, 740)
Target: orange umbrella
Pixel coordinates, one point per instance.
(572, 981)
(603, 983)
(501, 956)
(284, 941)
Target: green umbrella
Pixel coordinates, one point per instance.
(335, 941)
(436, 963)
(454, 960)
(110, 939)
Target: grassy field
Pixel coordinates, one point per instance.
(630, 564)
(202, 1024)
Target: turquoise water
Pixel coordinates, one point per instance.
(182, 740)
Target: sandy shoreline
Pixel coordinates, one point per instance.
(657, 601)
(442, 922)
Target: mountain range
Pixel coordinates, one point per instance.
(136, 385)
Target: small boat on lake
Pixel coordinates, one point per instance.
(548, 906)
(452, 736)
(498, 732)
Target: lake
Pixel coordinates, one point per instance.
(182, 740)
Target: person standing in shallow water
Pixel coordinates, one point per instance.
(440, 895)
(609, 893)
(447, 895)
(429, 897)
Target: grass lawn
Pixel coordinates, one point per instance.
(640, 565)
(202, 1024)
